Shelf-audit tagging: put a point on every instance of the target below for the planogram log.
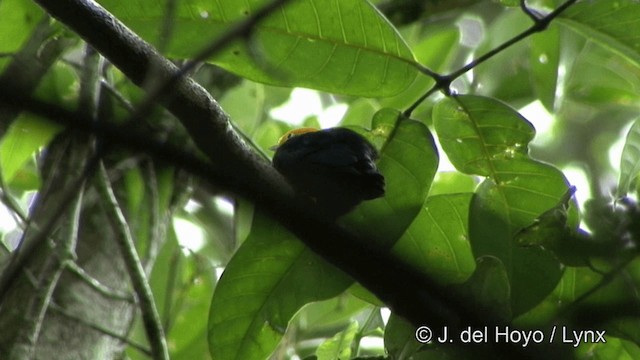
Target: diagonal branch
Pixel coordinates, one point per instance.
(443, 82)
(150, 316)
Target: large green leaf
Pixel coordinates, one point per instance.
(608, 67)
(437, 242)
(408, 161)
(608, 23)
(630, 160)
(485, 137)
(524, 190)
(267, 281)
(475, 130)
(343, 46)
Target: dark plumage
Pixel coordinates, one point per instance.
(335, 167)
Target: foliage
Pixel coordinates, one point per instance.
(479, 186)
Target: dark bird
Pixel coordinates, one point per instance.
(334, 167)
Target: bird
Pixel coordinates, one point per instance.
(335, 168)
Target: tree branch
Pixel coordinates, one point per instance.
(443, 82)
(150, 316)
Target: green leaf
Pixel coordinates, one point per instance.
(597, 78)
(408, 161)
(450, 182)
(607, 23)
(630, 160)
(329, 314)
(545, 61)
(489, 287)
(339, 346)
(437, 242)
(18, 18)
(245, 104)
(524, 189)
(474, 131)
(330, 46)
(267, 281)
(608, 67)
(26, 135)
(188, 333)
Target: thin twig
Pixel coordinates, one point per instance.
(407, 113)
(156, 235)
(99, 287)
(172, 277)
(443, 82)
(150, 317)
(530, 13)
(117, 95)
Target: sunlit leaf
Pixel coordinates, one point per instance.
(325, 46)
(450, 182)
(25, 137)
(608, 23)
(524, 190)
(474, 131)
(597, 78)
(486, 137)
(17, 20)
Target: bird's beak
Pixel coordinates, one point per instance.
(274, 148)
